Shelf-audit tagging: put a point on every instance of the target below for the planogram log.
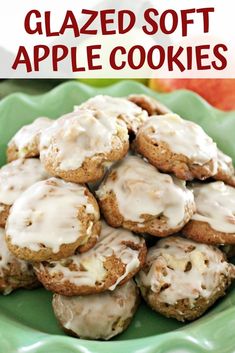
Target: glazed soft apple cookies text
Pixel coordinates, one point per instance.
(51, 220)
(136, 196)
(79, 146)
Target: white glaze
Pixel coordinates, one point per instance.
(52, 208)
(6, 258)
(28, 135)
(215, 204)
(133, 115)
(80, 135)
(99, 315)
(168, 260)
(17, 176)
(182, 136)
(5, 255)
(108, 244)
(225, 163)
(140, 189)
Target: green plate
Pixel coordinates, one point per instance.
(27, 323)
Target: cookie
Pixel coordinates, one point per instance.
(79, 146)
(214, 220)
(117, 256)
(98, 316)
(136, 196)
(14, 273)
(25, 143)
(121, 108)
(226, 172)
(182, 278)
(51, 220)
(15, 178)
(150, 104)
(178, 146)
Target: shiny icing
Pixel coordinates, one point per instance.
(182, 136)
(28, 135)
(140, 189)
(215, 204)
(90, 265)
(17, 176)
(98, 315)
(6, 258)
(132, 114)
(47, 213)
(225, 163)
(80, 135)
(190, 269)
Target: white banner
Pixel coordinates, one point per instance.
(117, 39)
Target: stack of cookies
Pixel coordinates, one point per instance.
(113, 177)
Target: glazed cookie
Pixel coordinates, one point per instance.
(150, 104)
(214, 220)
(117, 256)
(51, 220)
(122, 108)
(97, 316)
(15, 178)
(136, 196)
(177, 146)
(14, 273)
(226, 172)
(79, 146)
(182, 279)
(25, 143)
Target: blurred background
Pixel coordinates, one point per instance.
(218, 92)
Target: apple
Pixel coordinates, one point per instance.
(218, 92)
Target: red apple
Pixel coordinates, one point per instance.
(218, 92)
